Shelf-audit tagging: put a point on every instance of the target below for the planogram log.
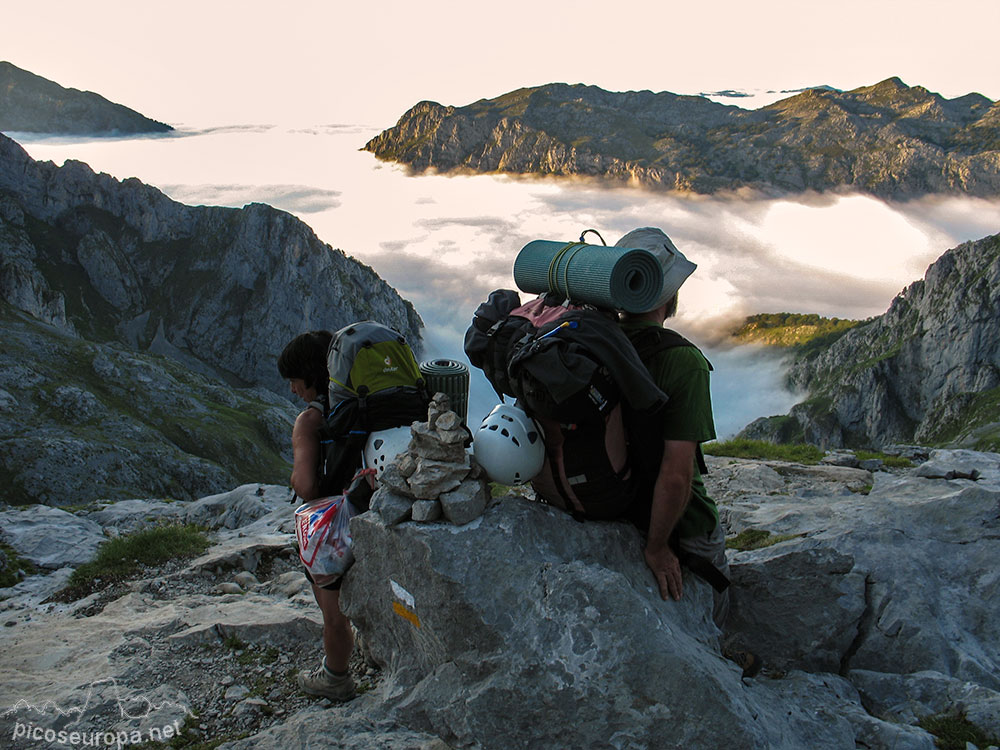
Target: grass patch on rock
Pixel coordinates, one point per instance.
(191, 738)
(119, 559)
(13, 568)
(499, 490)
(749, 539)
(954, 731)
(894, 462)
(15, 493)
(800, 453)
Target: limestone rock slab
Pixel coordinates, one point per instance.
(51, 537)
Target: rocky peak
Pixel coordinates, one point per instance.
(132, 292)
(821, 139)
(927, 370)
(30, 103)
(157, 274)
(889, 90)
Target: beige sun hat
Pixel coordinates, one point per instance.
(676, 268)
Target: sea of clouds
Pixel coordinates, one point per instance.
(446, 242)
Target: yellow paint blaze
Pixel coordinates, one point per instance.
(406, 614)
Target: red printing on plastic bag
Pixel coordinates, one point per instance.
(322, 529)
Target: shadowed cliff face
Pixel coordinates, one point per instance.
(889, 139)
(30, 103)
(928, 370)
(82, 421)
(219, 288)
(157, 327)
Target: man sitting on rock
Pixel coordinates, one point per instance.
(674, 499)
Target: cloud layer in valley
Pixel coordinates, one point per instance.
(446, 242)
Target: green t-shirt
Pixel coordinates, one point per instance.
(682, 372)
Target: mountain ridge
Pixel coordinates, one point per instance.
(160, 269)
(150, 363)
(927, 370)
(33, 104)
(889, 139)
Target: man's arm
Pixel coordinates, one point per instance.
(670, 497)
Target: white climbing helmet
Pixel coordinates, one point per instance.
(383, 446)
(508, 445)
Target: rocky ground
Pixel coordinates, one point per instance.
(871, 639)
(235, 687)
(220, 637)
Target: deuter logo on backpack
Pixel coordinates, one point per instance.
(375, 384)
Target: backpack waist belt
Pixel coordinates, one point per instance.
(704, 569)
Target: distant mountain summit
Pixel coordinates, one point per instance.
(30, 103)
(890, 140)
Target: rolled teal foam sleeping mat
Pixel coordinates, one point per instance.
(616, 277)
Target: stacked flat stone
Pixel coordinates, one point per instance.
(435, 478)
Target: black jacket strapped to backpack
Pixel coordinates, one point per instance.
(551, 359)
(565, 371)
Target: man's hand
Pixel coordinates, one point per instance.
(666, 569)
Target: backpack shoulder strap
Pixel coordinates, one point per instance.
(650, 341)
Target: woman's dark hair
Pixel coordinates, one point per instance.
(305, 358)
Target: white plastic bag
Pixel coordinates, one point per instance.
(323, 531)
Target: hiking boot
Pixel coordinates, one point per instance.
(324, 683)
(747, 660)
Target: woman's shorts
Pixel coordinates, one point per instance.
(335, 586)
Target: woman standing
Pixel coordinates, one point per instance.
(303, 364)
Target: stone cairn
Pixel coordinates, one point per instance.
(435, 478)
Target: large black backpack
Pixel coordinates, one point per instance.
(375, 384)
(575, 372)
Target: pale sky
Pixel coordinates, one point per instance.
(214, 62)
